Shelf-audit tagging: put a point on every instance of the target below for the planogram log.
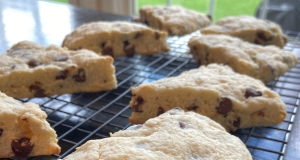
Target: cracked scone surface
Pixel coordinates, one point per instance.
(231, 99)
(117, 39)
(31, 70)
(175, 20)
(174, 135)
(261, 62)
(24, 131)
(249, 29)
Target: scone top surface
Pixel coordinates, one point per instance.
(261, 62)
(24, 130)
(249, 29)
(176, 20)
(117, 38)
(175, 135)
(233, 100)
(29, 55)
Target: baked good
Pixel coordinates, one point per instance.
(261, 62)
(31, 70)
(175, 135)
(24, 131)
(175, 20)
(249, 29)
(117, 39)
(231, 99)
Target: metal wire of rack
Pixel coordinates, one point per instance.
(80, 117)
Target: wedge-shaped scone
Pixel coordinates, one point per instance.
(261, 62)
(249, 29)
(231, 99)
(175, 135)
(31, 70)
(175, 20)
(24, 131)
(117, 39)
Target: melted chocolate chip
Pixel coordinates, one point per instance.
(108, 51)
(129, 51)
(262, 36)
(62, 75)
(80, 76)
(192, 107)
(38, 91)
(21, 147)
(182, 125)
(126, 43)
(33, 63)
(250, 92)
(138, 35)
(1, 131)
(237, 123)
(160, 111)
(102, 44)
(225, 106)
(61, 58)
(137, 106)
(261, 113)
(157, 35)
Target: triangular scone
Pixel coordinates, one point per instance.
(261, 62)
(233, 100)
(117, 39)
(249, 29)
(31, 70)
(24, 131)
(175, 135)
(175, 20)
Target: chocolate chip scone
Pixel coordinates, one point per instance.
(174, 135)
(261, 62)
(117, 39)
(175, 20)
(249, 29)
(24, 131)
(31, 70)
(231, 99)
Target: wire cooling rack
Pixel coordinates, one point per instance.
(80, 117)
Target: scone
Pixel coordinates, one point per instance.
(249, 29)
(175, 20)
(24, 131)
(261, 62)
(174, 135)
(117, 39)
(231, 99)
(31, 70)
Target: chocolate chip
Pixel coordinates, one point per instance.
(160, 111)
(80, 76)
(192, 107)
(182, 125)
(61, 58)
(250, 92)
(33, 63)
(137, 105)
(224, 106)
(138, 35)
(126, 43)
(129, 51)
(108, 51)
(209, 17)
(62, 75)
(237, 123)
(156, 35)
(103, 45)
(1, 131)
(38, 91)
(21, 147)
(261, 35)
(261, 113)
